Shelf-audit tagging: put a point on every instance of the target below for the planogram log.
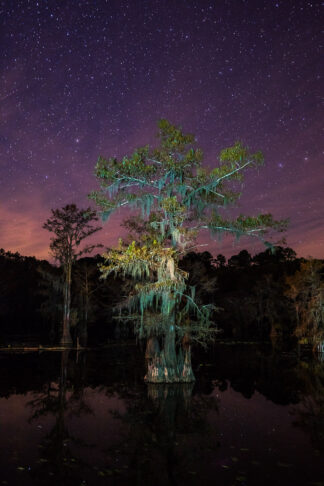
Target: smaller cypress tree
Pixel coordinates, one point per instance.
(71, 226)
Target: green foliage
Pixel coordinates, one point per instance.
(177, 198)
(160, 287)
(247, 225)
(170, 181)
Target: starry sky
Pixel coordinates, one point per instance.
(83, 78)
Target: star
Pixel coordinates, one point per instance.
(92, 78)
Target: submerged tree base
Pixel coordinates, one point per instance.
(159, 370)
(66, 340)
(158, 375)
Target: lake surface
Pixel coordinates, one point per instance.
(252, 418)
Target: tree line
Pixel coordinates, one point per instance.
(274, 297)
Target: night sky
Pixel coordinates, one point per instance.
(83, 78)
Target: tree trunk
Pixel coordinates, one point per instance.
(168, 365)
(171, 371)
(66, 339)
(172, 404)
(83, 333)
(84, 324)
(185, 368)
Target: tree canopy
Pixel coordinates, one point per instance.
(170, 182)
(71, 226)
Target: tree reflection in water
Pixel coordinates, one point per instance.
(64, 399)
(167, 432)
(310, 415)
(101, 425)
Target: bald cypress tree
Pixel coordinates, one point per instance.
(70, 226)
(177, 198)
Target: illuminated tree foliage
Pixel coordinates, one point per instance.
(177, 198)
(70, 226)
(306, 290)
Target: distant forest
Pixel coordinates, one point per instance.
(271, 297)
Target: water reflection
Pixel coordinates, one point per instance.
(168, 432)
(310, 417)
(56, 458)
(87, 418)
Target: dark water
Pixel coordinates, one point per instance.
(252, 418)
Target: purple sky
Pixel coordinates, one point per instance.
(84, 78)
